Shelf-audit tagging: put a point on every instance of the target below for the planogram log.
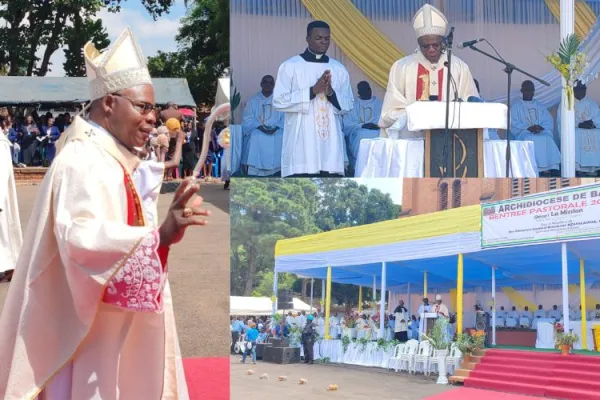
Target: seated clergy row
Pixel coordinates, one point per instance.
(527, 319)
(263, 129)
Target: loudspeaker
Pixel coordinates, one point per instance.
(285, 299)
(260, 349)
(282, 355)
(279, 342)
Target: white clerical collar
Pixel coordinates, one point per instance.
(317, 56)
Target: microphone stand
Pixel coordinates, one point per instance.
(509, 69)
(449, 40)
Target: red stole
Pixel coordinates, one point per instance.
(422, 71)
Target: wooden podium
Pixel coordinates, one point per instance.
(465, 142)
(427, 322)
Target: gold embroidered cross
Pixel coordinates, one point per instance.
(90, 133)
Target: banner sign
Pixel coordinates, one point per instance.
(565, 214)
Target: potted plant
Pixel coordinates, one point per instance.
(464, 343)
(440, 340)
(566, 341)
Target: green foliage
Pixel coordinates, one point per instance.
(439, 335)
(266, 210)
(203, 53)
(568, 48)
(76, 36)
(464, 343)
(346, 342)
(566, 338)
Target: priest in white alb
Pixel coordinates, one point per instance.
(531, 121)
(422, 76)
(587, 132)
(262, 128)
(314, 92)
(361, 122)
(89, 313)
(11, 237)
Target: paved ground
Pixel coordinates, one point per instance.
(199, 274)
(353, 382)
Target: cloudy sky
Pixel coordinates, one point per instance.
(393, 186)
(152, 35)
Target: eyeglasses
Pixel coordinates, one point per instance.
(434, 46)
(141, 106)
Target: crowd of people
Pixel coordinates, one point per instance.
(526, 319)
(308, 122)
(33, 141)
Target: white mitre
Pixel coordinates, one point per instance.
(119, 67)
(429, 21)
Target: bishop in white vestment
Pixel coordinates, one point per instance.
(262, 128)
(11, 237)
(531, 121)
(422, 76)
(361, 122)
(89, 313)
(587, 131)
(314, 92)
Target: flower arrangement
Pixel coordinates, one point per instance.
(375, 318)
(566, 339)
(558, 327)
(570, 63)
(350, 321)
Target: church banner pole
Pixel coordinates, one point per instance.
(567, 123)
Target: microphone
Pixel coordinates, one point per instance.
(469, 43)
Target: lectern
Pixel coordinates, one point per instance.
(427, 322)
(465, 153)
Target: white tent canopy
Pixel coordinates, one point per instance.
(245, 305)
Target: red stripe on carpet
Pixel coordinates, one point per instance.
(538, 374)
(477, 394)
(207, 378)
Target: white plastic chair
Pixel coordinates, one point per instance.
(423, 356)
(407, 356)
(395, 359)
(453, 359)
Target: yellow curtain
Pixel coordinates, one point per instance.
(518, 300)
(585, 17)
(590, 300)
(357, 37)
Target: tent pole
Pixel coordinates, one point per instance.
(408, 299)
(274, 299)
(493, 306)
(459, 295)
(567, 128)
(425, 284)
(322, 296)
(375, 290)
(360, 299)
(583, 305)
(328, 304)
(382, 301)
(565, 288)
(312, 288)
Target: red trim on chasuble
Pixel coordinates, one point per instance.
(421, 71)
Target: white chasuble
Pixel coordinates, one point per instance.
(587, 141)
(413, 78)
(89, 312)
(524, 114)
(363, 112)
(262, 151)
(11, 237)
(313, 140)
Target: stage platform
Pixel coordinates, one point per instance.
(537, 373)
(516, 337)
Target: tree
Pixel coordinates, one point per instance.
(263, 211)
(34, 24)
(203, 53)
(76, 37)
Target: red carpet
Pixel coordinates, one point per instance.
(538, 374)
(207, 378)
(477, 394)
